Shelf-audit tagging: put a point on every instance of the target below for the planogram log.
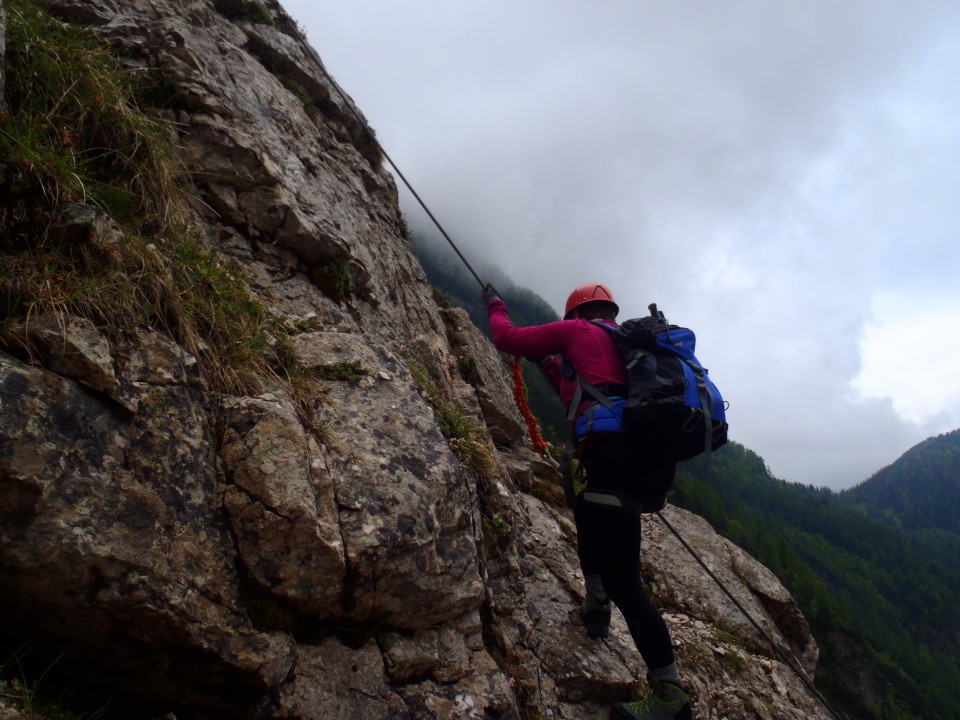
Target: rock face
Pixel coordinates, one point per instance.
(223, 557)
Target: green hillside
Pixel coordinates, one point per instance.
(869, 589)
(921, 491)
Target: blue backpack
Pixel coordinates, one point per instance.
(672, 408)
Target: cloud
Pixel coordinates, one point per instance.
(910, 357)
(763, 171)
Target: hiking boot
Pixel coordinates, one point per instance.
(596, 616)
(666, 701)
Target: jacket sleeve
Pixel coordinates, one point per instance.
(532, 341)
(547, 340)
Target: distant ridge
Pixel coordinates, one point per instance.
(921, 490)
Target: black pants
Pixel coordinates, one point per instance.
(608, 542)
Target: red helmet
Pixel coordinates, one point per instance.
(586, 293)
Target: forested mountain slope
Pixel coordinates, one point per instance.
(919, 491)
(869, 589)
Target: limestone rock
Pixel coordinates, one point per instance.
(73, 348)
(482, 367)
(281, 506)
(105, 523)
(331, 680)
(404, 501)
(682, 583)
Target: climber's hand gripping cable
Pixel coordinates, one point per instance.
(489, 294)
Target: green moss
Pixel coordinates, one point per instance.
(496, 529)
(334, 279)
(365, 140)
(346, 370)
(119, 202)
(469, 369)
(441, 298)
(301, 93)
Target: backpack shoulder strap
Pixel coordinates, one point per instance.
(583, 385)
(612, 329)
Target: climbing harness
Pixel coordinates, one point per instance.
(519, 395)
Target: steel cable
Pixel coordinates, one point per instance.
(789, 663)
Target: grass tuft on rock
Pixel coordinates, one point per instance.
(467, 435)
(93, 209)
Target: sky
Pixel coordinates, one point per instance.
(782, 177)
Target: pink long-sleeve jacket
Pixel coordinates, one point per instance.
(588, 348)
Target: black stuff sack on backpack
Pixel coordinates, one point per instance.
(672, 408)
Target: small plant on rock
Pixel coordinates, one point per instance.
(345, 370)
(496, 529)
(334, 279)
(469, 369)
(93, 209)
(467, 436)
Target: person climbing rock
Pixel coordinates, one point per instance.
(608, 538)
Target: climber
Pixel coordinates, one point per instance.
(608, 540)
